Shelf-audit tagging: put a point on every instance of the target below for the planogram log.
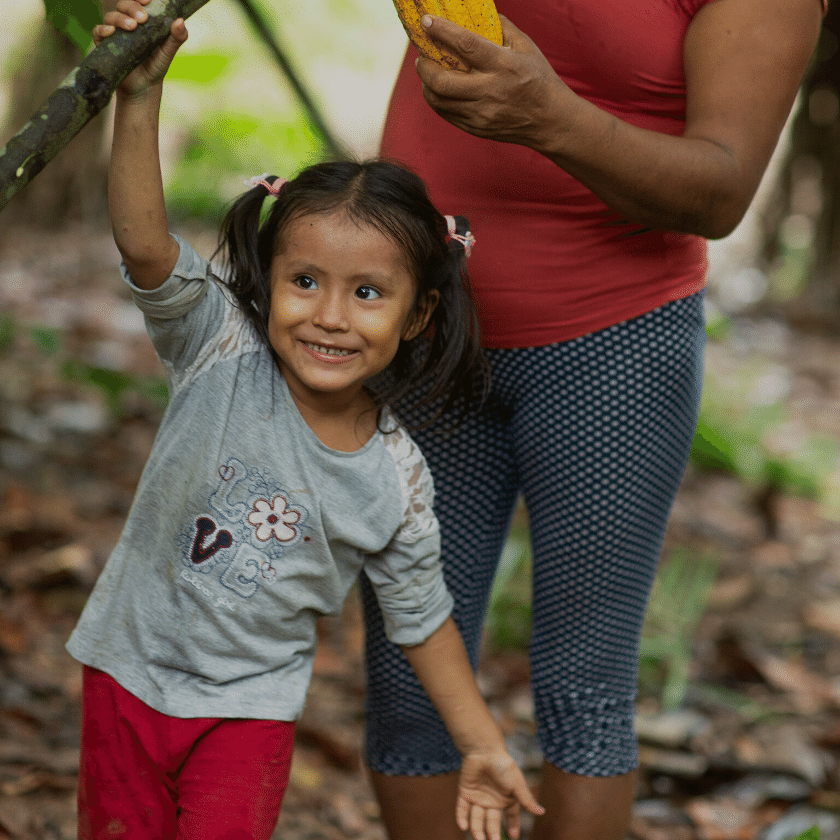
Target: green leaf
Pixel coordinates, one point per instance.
(197, 68)
(813, 833)
(7, 331)
(75, 18)
(46, 339)
(227, 148)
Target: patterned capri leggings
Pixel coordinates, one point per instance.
(595, 434)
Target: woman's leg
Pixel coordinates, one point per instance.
(418, 807)
(601, 452)
(413, 761)
(584, 807)
(602, 436)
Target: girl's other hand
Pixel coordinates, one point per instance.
(128, 15)
(489, 786)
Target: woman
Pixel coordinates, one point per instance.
(593, 156)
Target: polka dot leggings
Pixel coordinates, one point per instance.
(595, 434)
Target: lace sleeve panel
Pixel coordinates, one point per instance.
(416, 484)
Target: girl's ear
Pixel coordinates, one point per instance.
(421, 316)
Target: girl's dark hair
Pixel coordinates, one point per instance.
(446, 364)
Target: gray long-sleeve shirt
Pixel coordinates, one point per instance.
(245, 527)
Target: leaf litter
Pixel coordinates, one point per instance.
(750, 752)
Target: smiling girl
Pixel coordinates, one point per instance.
(277, 475)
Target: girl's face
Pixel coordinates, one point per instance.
(341, 300)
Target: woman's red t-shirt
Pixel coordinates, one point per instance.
(552, 261)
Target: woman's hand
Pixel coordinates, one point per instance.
(128, 15)
(744, 61)
(489, 786)
(507, 92)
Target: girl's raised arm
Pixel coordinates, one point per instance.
(490, 784)
(135, 187)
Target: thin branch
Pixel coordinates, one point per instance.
(262, 28)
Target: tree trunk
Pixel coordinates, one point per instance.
(802, 251)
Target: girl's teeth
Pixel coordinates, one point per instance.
(329, 351)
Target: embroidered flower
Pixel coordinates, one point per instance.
(274, 519)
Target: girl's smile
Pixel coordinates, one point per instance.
(342, 298)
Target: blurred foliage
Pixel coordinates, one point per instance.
(738, 449)
(508, 625)
(116, 386)
(120, 390)
(677, 603)
(75, 18)
(7, 331)
(45, 339)
(748, 709)
(812, 833)
(199, 68)
(225, 144)
(743, 433)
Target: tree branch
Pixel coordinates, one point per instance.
(83, 94)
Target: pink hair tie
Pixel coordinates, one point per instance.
(259, 181)
(467, 240)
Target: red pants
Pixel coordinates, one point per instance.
(147, 776)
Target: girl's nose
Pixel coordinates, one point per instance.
(331, 313)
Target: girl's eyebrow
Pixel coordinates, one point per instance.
(301, 267)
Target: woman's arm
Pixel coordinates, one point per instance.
(744, 61)
(490, 782)
(135, 186)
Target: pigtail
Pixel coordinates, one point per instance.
(245, 252)
(447, 366)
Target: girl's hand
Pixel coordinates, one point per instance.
(491, 784)
(128, 15)
(505, 94)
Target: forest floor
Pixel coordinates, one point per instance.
(751, 753)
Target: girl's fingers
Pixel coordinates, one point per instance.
(179, 30)
(117, 20)
(462, 814)
(477, 822)
(493, 824)
(524, 796)
(102, 31)
(512, 822)
(133, 9)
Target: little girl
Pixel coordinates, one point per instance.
(277, 475)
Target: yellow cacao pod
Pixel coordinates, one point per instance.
(479, 16)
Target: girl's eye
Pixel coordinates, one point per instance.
(367, 293)
(305, 282)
